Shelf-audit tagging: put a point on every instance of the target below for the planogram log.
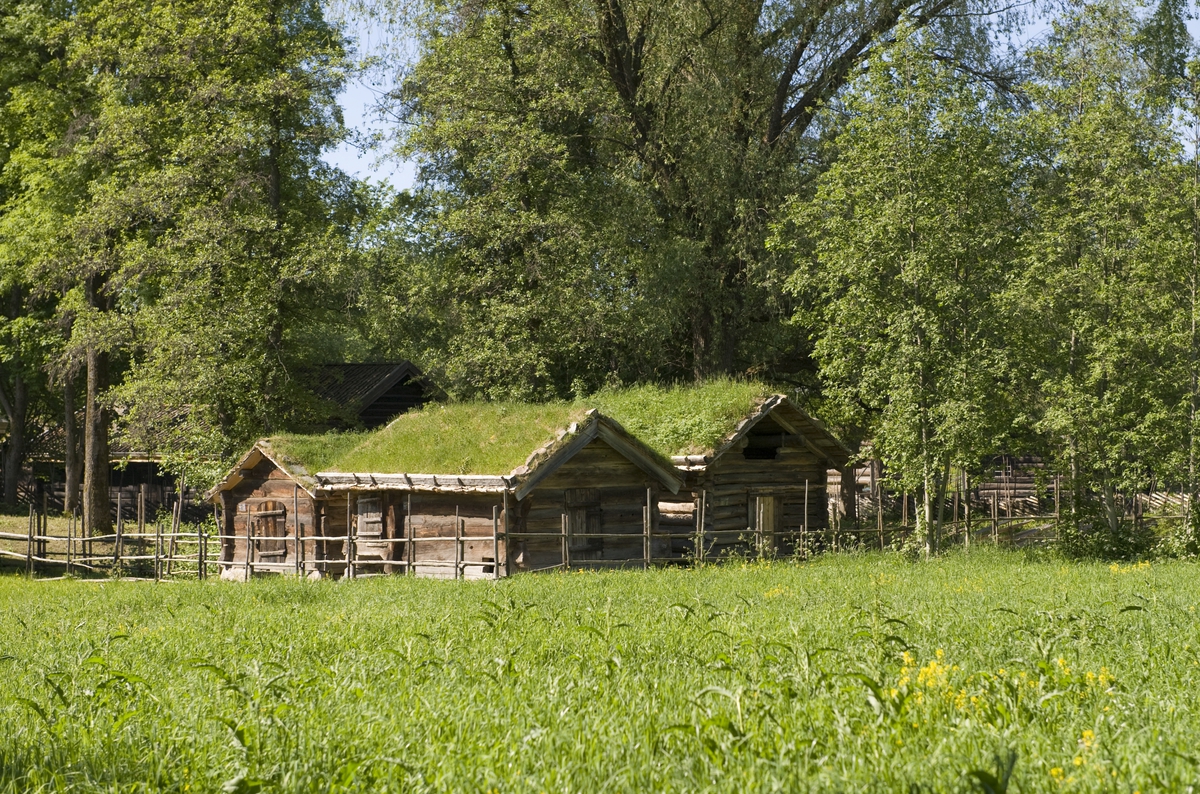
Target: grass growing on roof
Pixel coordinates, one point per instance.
(315, 452)
(461, 438)
(495, 438)
(681, 420)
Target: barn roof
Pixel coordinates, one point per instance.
(360, 384)
(790, 418)
(375, 392)
(471, 447)
(478, 443)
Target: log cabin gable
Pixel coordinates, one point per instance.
(252, 462)
(775, 417)
(546, 461)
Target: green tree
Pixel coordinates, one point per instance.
(168, 184)
(1100, 328)
(910, 237)
(30, 61)
(598, 180)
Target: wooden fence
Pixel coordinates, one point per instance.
(166, 548)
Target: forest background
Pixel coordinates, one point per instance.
(945, 234)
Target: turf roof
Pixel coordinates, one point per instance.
(495, 438)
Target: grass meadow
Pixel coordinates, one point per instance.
(848, 673)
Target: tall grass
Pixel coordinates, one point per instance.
(850, 673)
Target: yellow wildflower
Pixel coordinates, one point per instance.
(1056, 773)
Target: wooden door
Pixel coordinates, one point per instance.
(270, 532)
(766, 512)
(369, 529)
(585, 519)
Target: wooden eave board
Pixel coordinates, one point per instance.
(639, 455)
(440, 483)
(815, 434)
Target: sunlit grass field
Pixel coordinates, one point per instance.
(849, 673)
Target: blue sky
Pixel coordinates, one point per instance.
(356, 103)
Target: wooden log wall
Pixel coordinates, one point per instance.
(438, 544)
(599, 492)
(732, 485)
(266, 487)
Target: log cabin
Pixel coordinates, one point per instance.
(761, 488)
(435, 494)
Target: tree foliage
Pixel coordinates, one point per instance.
(598, 180)
(912, 233)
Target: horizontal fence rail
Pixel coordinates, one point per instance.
(168, 549)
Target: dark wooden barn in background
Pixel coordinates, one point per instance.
(371, 395)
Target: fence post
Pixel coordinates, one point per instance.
(507, 568)
(176, 524)
(566, 549)
(995, 519)
(458, 545)
(349, 540)
(296, 526)
(117, 536)
(1057, 492)
(409, 552)
(966, 518)
(220, 532)
(43, 543)
(157, 550)
(647, 516)
(495, 541)
(804, 525)
(759, 539)
(249, 564)
(29, 546)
